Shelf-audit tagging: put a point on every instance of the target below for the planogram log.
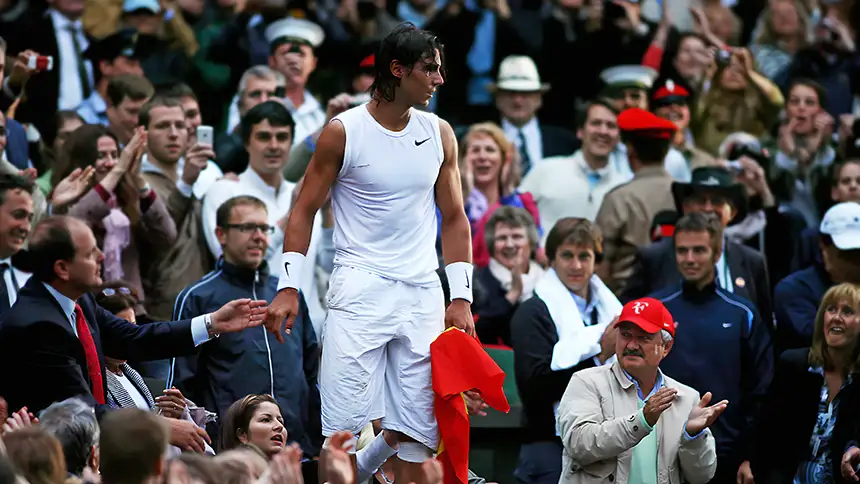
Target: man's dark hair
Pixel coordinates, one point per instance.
(406, 44)
(222, 216)
(131, 86)
(13, 182)
(50, 241)
(272, 111)
(156, 102)
(132, 445)
(604, 102)
(701, 222)
(179, 90)
(649, 151)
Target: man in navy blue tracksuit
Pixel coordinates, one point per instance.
(251, 361)
(725, 348)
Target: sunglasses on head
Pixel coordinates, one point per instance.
(109, 291)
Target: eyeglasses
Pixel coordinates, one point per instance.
(109, 291)
(251, 228)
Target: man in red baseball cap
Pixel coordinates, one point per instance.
(608, 417)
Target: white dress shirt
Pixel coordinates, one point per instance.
(566, 186)
(199, 334)
(14, 280)
(532, 136)
(71, 91)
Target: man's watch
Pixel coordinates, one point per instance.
(207, 320)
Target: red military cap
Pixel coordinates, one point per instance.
(646, 124)
(368, 61)
(670, 93)
(649, 314)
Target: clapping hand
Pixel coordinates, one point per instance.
(19, 420)
(285, 467)
(703, 416)
(338, 464)
(72, 187)
(658, 403)
(850, 460)
(237, 315)
(132, 152)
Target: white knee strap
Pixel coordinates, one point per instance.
(369, 459)
(414, 452)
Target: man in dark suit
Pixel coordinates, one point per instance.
(519, 95)
(51, 340)
(740, 270)
(56, 32)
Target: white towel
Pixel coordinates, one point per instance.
(576, 341)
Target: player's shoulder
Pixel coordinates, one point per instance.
(351, 114)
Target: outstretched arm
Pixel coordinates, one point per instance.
(456, 235)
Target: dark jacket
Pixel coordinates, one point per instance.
(799, 295)
(494, 311)
(251, 361)
(721, 346)
(17, 146)
(792, 425)
(655, 268)
(533, 336)
(45, 360)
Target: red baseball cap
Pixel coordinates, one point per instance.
(649, 314)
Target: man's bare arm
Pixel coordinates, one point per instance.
(456, 233)
(320, 176)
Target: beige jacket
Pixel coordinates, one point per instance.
(599, 423)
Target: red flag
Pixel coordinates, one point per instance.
(459, 364)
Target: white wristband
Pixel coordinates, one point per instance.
(460, 280)
(290, 272)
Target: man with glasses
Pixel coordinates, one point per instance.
(250, 361)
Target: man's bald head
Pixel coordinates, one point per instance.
(50, 242)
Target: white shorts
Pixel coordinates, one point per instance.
(376, 355)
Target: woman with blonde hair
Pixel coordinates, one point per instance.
(808, 388)
(490, 173)
(737, 99)
(784, 31)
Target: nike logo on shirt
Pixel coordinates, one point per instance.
(419, 143)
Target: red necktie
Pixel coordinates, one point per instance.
(93, 364)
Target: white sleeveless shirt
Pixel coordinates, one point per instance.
(384, 197)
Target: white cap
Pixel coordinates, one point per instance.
(295, 28)
(630, 75)
(842, 224)
(518, 73)
(132, 5)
